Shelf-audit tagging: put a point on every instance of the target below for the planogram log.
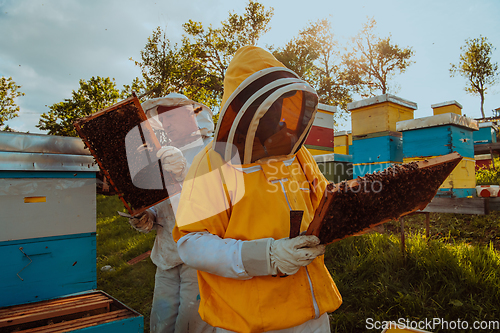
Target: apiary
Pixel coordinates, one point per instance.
(440, 135)
(335, 167)
(379, 113)
(48, 239)
(321, 139)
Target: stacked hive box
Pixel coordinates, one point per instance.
(439, 135)
(376, 144)
(447, 107)
(343, 140)
(48, 239)
(486, 134)
(320, 139)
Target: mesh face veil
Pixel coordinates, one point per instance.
(269, 114)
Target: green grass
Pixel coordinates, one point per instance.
(432, 279)
(117, 243)
(455, 274)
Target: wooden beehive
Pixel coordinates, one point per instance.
(360, 204)
(92, 312)
(382, 147)
(447, 107)
(379, 114)
(320, 138)
(342, 141)
(113, 136)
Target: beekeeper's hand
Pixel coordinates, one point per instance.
(143, 222)
(288, 255)
(173, 161)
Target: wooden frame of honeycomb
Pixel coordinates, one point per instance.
(104, 134)
(357, 205)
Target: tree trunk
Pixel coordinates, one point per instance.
(482, 105)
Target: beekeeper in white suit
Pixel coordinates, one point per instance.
(188, 127)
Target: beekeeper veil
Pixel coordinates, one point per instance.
(156, 109)
(267, 109)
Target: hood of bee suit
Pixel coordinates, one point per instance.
(267, 110)
(203, 118)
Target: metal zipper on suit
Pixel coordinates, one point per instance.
(315, 304)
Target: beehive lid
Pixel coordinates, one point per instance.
(340, 133)
(328, 108)
(447, 103)
(40, 152)
(381, 99)
(437, 120)
(487, 124)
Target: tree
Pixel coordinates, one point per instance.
(375, 60)
(92, 96)
(315, 56)
(197, 66)
(216, 46)
(476, 66)
(168, 68)
(8, 107)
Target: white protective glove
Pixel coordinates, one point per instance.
(288, 255)
(143, 222)
(173, 161)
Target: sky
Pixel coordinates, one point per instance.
(47, 46)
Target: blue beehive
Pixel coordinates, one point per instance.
(382, 147)
(487, 133)
(48, 239)
(440, 135)
(376, 152)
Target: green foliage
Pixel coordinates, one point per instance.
(489, 176)
(315, 56)
(476, 66)
(376, 60)
(92, 96)
(137, 86)
(196, 68)
(8, 108)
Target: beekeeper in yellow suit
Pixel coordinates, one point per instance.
(184, 127)
(233, 222)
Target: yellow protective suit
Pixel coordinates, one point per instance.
(252, 201)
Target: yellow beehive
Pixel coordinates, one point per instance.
(447, 107)
(463, 176)
(342, 140)
(319, 151)
(379, 114)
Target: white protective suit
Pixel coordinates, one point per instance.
(176, 295)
